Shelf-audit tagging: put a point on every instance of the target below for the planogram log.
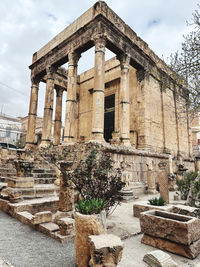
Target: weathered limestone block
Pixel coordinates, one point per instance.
(186, 210)
(21, 182)
(23, 168)
(66, 225)
(66, 196)
(63, 214)
(141, 207)
(42, 217)
(159, 258)
(189, 251)
(105, 250)
(86, 225)
(177, 228)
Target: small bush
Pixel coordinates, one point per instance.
(90, 206)
(185, 184)
(157, 201)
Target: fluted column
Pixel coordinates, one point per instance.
(48, 108)
(98, 92)
(58, 117)
(70, 115)
(32, 115)
(124, 100)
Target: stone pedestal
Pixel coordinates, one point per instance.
(66, 225)
(108, 248)
(85, 225)
(66, 196)
(151, 181)
(163, 181)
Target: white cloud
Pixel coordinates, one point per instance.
(27, 25)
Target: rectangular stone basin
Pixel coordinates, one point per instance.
(173, 227)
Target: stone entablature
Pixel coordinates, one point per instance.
(120, 37)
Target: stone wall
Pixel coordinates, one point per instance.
(158, 118)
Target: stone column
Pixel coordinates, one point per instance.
(58, 116)
(48, 108)
(124, 100)
(151, 179)
(98, 92)
(70, 115)
(32, 115)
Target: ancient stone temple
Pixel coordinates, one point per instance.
(131, 101)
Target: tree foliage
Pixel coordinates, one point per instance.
(187, 62)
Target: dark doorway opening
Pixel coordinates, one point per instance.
(109, 117)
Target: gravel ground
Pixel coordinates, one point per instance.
(22, 246)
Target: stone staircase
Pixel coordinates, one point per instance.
(44, 175)
(6, 171)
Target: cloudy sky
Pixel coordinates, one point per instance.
(27, 25)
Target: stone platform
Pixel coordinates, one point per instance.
(39, 214)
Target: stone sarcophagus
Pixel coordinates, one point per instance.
(175, 233)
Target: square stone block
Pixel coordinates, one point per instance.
(66, 225)
(170, 226)
(21, 182)
(42, 217)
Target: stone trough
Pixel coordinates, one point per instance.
(175, 233)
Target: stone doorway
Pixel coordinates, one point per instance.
(109, 117)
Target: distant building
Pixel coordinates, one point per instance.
(10, 129)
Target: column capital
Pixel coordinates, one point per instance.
(50, 70)
(73, 58)
(99, 42)
(124, 59)
(35, 81)
(59, 91)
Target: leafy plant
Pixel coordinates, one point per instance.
(96, 178)
(90, 206)
(185, 184)
(91, 170)
(157, 201)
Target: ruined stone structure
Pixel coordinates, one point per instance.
(130, 101)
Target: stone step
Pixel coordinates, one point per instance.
(3, 179)
(38, 191)
(37, 205)
(44, 180)
(39, 171)
(44, 175)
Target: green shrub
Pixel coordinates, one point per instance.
(185, 184)
(157, 201)
(90, 206)
(96, 178)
